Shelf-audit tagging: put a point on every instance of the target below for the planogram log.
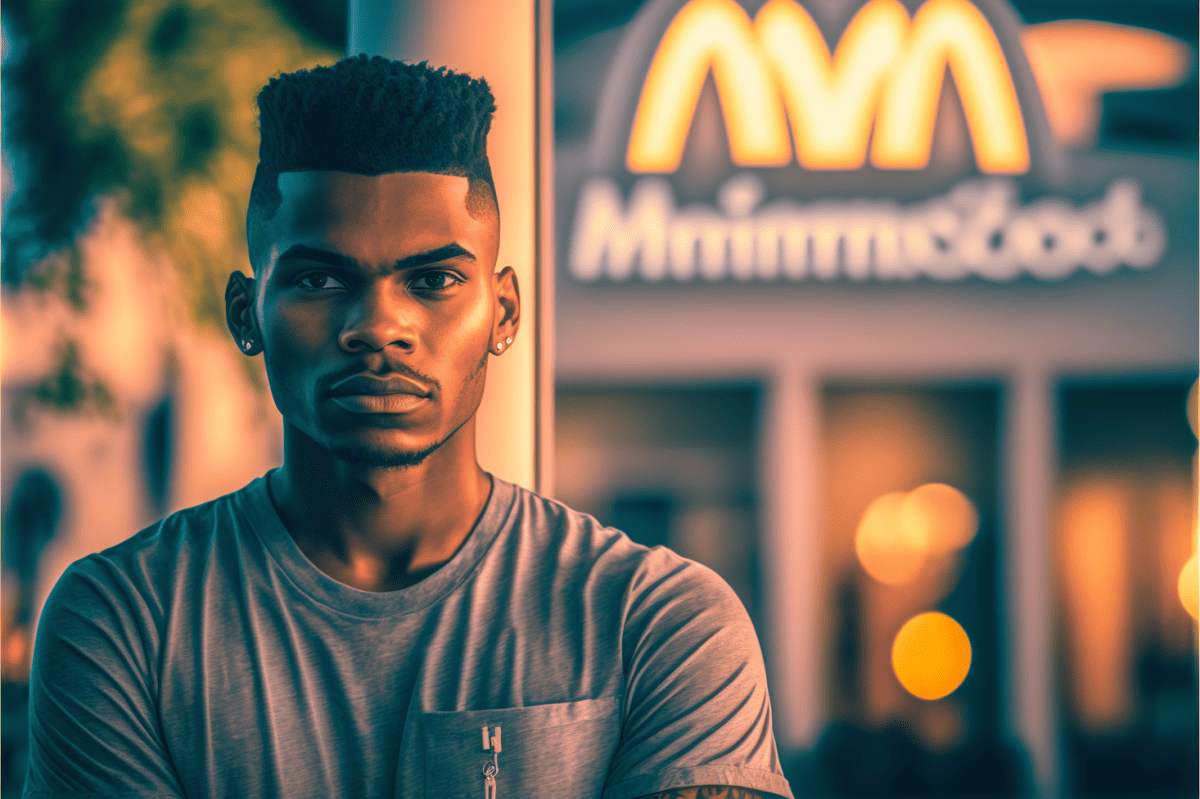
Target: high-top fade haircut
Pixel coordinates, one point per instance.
(371, 115)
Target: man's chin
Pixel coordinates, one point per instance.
(361, 457)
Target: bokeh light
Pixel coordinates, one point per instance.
(887, 551)
(941, 515)
(1189, 591)
(931, 655)
(899, 531)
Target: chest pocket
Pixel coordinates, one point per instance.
(547, 751)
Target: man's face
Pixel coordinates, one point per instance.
(376, 305)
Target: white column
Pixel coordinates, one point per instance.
(789, 448)
(506, 42)
(1029, 480)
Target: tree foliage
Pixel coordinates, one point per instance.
(150, 103)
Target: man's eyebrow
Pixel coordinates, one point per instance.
(301, 252)
(433, 256)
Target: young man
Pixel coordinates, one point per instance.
(379, 616)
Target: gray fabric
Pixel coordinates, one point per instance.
(206, 656)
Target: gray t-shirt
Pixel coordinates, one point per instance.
(207, 656)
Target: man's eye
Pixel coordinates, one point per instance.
(434, 281)
(315, 281)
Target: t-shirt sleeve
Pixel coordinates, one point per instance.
(696, 710)
(94, 725)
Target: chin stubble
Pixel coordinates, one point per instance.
(366, 458)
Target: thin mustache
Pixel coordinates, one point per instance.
(390, 367)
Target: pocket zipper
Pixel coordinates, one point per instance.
(492, 769)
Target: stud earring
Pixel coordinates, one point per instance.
(508, 341)
(499, 346)
(247, 345)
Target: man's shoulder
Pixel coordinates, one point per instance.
(578, 540)
(541, 519)
(171, 543)
(548, 526)
(125, 593)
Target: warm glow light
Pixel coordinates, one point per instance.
(1095, 547)
(899, 531)
(931, 655)
(951, 33)
(941, 515)
(884, 70)
(831, 100)
(14, 655)
(1192, 408)
(1076, 61)
(706, 34)
(887, 551)
(1189, 593)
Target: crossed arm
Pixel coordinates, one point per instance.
(708, 792)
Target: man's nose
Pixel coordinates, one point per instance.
(382, 316)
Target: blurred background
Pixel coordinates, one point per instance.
(934, 419)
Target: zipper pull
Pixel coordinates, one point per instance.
(489, 781)
(490, 770)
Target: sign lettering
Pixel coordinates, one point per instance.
(978, 228)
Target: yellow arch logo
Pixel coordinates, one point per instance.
(878, 90)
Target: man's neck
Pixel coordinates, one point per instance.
(379, 529)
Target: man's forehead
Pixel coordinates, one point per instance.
(408, 201)
(337, 186)
(379, 218)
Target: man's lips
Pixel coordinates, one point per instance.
(369, 394)
(379, 386)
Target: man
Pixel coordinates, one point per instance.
(379, 616)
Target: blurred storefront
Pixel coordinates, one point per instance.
(886, 310)
(130, 142)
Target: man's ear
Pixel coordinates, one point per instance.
(239, 313)
(508, 309)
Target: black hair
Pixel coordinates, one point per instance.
(371, 115)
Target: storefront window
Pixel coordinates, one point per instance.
(1124, 531)
(912, 545)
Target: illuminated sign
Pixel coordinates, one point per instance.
(868, 107)
(886, 75)
(976, 229)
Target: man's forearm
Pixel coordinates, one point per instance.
(708, 792)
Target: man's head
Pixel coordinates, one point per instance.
(370, 116)
(374, 234)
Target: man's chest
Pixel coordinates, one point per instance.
(266, 699)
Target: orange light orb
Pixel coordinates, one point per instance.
(887, 551)
(1192, 408)
(941, 515)
(1189, 592)
(931, 655)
